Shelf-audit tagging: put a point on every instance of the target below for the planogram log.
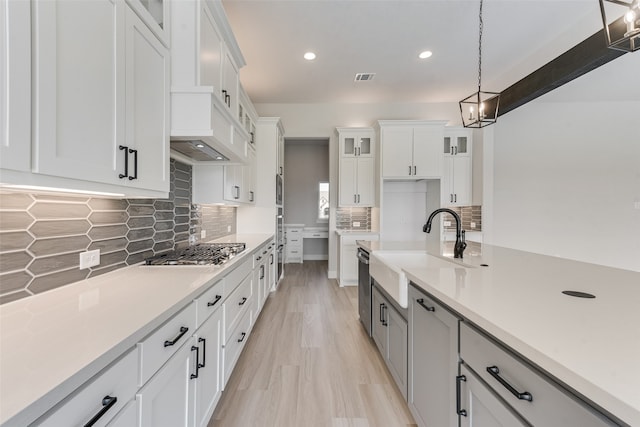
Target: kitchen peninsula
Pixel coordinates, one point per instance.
(587, 346)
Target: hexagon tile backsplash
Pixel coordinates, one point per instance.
(42, 235)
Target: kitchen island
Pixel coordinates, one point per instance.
(53, 343)
(589, 345)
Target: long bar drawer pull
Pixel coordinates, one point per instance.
(215, 301)
(495, 373)
(242, 335)
(459, 411)
(183, 330)
(107, 403)
(426, 307)
(197, 350)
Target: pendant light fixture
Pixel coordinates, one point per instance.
(623, 33)
(481, 108)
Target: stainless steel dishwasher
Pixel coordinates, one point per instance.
(364, 289)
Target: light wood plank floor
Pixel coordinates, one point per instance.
(309, 362)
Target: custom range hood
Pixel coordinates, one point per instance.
(202, 127)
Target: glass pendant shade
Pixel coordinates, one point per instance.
(480, 109)
(622, 26)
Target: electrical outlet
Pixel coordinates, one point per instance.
(447, 223)
(228, 229)
(89, 259)
(203, 234)
(356, 223)
(473, 225)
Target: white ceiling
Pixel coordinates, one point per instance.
(385, 37)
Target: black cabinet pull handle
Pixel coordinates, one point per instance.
(204, 352)
(183, 330)
(237, 195)
(426, 307)
(224, 95)
(228, 100)
(135, 164)
(415, 170)
(459, 411)
(495, 373)
(252, 196)
(262, 272)
(252, 136)
(381, 314)
(242, 335)
(126, 161)
(271, 259)
(215, 301)
(197, 350)
(409, 169)
(242, 301)
(107, 403)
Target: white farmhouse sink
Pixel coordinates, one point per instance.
(386, 267)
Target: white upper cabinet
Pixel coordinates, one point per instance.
(457, 177)
(411, 149)
(356, 143)
(79, 83)
(147, 105)
(100, 97)
(15, 104)
(154, 13)
(357, 167)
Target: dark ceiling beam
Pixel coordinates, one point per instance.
(580, 59)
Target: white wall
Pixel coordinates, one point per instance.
(566, 174)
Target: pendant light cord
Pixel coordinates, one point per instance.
(480, 49)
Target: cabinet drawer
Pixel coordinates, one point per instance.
(549, 405)
(294, 232)
(259, 255)
(234, 345)
(234, 278)
(209, 302)
(235, 305)
(158, 347)
(116, 381)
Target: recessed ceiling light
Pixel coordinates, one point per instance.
(426, 54)
(309, 56)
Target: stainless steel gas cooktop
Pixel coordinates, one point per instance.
(200, 254)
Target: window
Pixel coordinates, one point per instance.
(323, 202)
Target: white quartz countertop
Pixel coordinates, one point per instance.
(591, 345)
(53, 342)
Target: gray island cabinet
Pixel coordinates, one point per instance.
(389, 331)
(433, 361)
(459, 373)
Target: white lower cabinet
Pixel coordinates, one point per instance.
(433, 362)
(480, 407)
(389, 332)
(235, 343)
(100, 399)
(348, 255)
(166, 400)
(208, 385)
(128, 417)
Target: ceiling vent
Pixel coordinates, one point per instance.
(364, 77)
